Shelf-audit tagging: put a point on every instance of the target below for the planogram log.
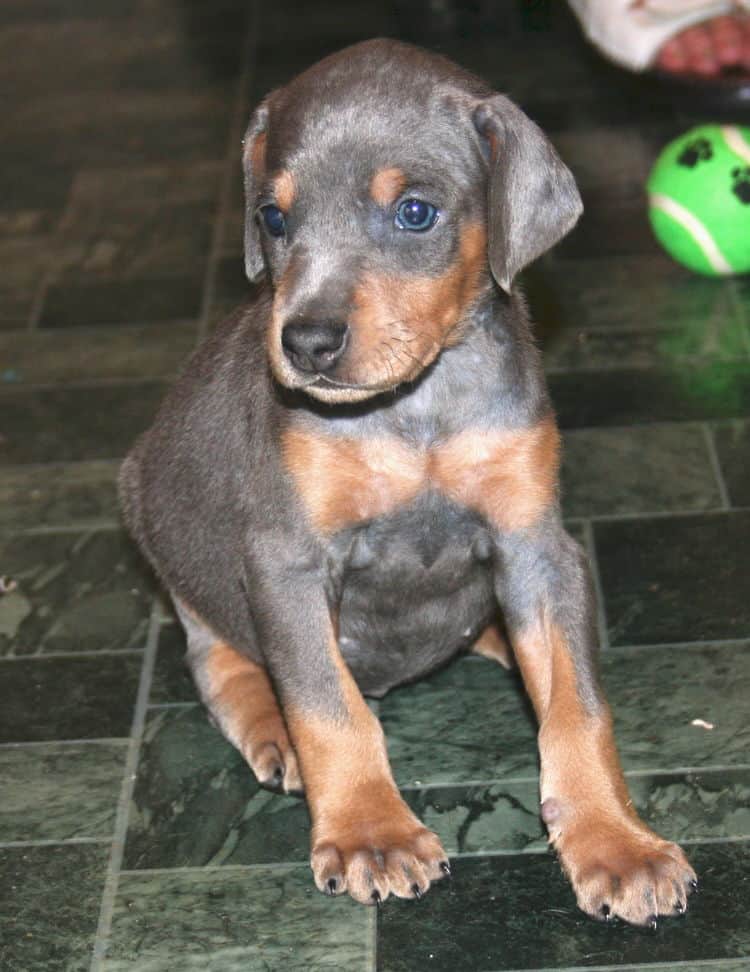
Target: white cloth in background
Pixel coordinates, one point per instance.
(631, 32)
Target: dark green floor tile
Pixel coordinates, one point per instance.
(675, 579)
(639, 294)
(75, 592)
(58, 494)
(95, 354)
(56, 791)
(260, 920)
(518, 912)
(172, 680)
(468, 722)
(46, 425)
(635, 397)
(135, 239)
(637, 470)
(68, 698)
(49, 906)
(505, 816)
(472, 722)
(197, 802)
(116, 302)
(733, 447)
(609, 347)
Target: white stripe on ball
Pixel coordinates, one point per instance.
(695, 228)
(735, 141)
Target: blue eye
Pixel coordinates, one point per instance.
(416, 214)
(274, 220)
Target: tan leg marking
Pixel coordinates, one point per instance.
(365, 839)
(616, 864)
(492, 644)
(243, 701)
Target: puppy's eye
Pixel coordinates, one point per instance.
(274, 220)
(416, 214)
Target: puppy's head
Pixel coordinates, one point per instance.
(385, 189)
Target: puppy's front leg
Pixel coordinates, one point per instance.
(365, 839)
(616, 864)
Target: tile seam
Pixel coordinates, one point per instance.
(233, 147)
(713, 457)
(128, 784)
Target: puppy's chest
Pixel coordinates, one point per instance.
(506, 477)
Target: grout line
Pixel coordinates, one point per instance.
(713, 456)
(601, 615)
(162, 706)
(50, 842)
(689, 965)
(704, 643)
(126, 793)
(34, 744)
(80, 526)
(215, 868)
(653, 514)
(524, 780)
(234, 147)
(371, 955)
(540, 849)
(68, 655)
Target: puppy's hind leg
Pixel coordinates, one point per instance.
(238, 693)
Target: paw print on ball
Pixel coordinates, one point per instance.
(694, 152)
(741, 187)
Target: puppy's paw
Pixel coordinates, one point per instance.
(274, 763)
(373, 851)
(626, 871)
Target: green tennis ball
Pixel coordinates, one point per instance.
(699, 199)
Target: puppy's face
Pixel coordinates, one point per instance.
(367, 190)
(375, 251)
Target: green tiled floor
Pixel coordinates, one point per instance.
(132, 836)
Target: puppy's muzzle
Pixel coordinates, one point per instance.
(314, 347)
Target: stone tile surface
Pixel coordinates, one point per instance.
(643, 469)
(75, 592)
(49, 906)
(676, 578)
(59, 792)
(249, 920)
(517, 912)
(68, 698)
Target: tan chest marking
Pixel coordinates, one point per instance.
(507, 477)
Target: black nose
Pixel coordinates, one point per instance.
(314, 345)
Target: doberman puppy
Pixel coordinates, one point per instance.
(358, 471)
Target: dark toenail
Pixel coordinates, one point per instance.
(680, 908)
(376, 898)
(694, 885)
(606, 913)
(653, 924)
(416, 891)
(445, 868)
(331, 886)
(278, 774)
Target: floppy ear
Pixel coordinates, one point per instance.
(254, 165)
(533, 198)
